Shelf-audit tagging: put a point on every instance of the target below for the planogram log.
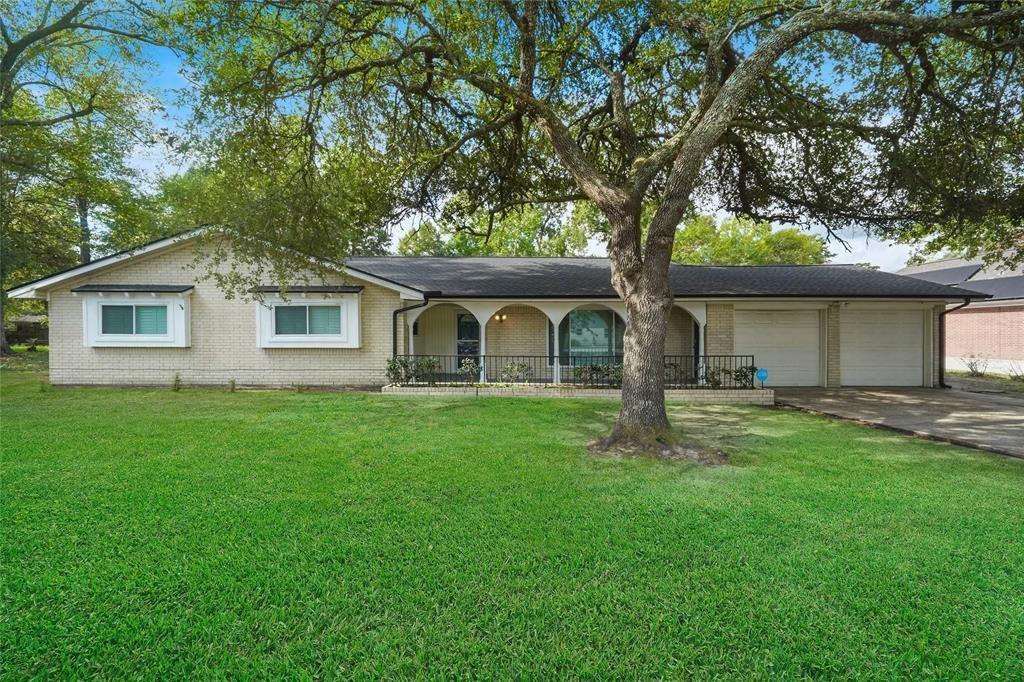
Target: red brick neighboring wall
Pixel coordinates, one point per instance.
(996, 333)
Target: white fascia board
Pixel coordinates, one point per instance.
(35, 289)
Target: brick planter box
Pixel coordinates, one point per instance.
(754, 396)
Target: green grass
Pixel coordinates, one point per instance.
(200, 533)
(26, 360)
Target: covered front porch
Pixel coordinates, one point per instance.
(516, 342)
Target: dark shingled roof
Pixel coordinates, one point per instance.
(1000, 288)
(952, 276)
(141, 288)
(497, 277)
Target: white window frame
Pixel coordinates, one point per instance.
(178, 320)
(267, 337)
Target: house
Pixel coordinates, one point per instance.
(147, 316)
(993, 328)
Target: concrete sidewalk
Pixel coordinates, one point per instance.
(993, 422)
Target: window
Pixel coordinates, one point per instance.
(323, 321)
(467, 335)
(583, 334)
(148, 320)
(141, 319)
(307, 319)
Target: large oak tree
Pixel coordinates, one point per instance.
(885, 115)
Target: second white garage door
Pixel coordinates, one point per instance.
(881, 347)
(785, 342)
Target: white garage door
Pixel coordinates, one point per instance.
(881, 347)
(785, 342)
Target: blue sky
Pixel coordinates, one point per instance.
(166, 80)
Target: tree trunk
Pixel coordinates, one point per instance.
(85, 235)
(642, 419)
(643, 285)
(5, 347)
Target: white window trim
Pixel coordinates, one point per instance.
(266, 337)
(178, 321)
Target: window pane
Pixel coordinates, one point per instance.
(324, 319)
(150, 319)
(590, 332)
(563, 339)
(468, 327)
(467, 349)
(620, 332)
(116, 319)
(290, 319)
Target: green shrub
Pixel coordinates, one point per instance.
(516, 371)
(469, 370)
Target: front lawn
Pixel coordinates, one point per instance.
(202, 533)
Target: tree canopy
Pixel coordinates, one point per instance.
(526, 231)
(741, 241)
(884, 117)
(71, 110)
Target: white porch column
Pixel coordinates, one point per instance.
(482, 311)
(410, 320)
(556, 362)
(483, 350)
(699, 312)
(556, 312)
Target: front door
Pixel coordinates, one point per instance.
(467, 337)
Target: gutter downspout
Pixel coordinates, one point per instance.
(942, 342)
(394, 323)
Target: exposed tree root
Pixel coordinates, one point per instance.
(663, 445)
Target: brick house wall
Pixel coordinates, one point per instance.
(223, 337)
(995, 332)
(720, 329)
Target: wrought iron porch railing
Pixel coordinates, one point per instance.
(681, 371)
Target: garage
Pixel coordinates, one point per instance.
(785, 342)
(881, 347)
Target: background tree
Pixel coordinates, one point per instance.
(65, 104)
(880, 116)
(741, 241)
(527, 231)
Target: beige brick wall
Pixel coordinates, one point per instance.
(523, 332)
(680, 333)
(720, 329)
(223, 337)
(832, 340)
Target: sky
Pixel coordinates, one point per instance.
(166, 80)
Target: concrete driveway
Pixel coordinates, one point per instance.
(993, 422)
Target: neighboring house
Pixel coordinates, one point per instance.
(993, 328)
(145, 317)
